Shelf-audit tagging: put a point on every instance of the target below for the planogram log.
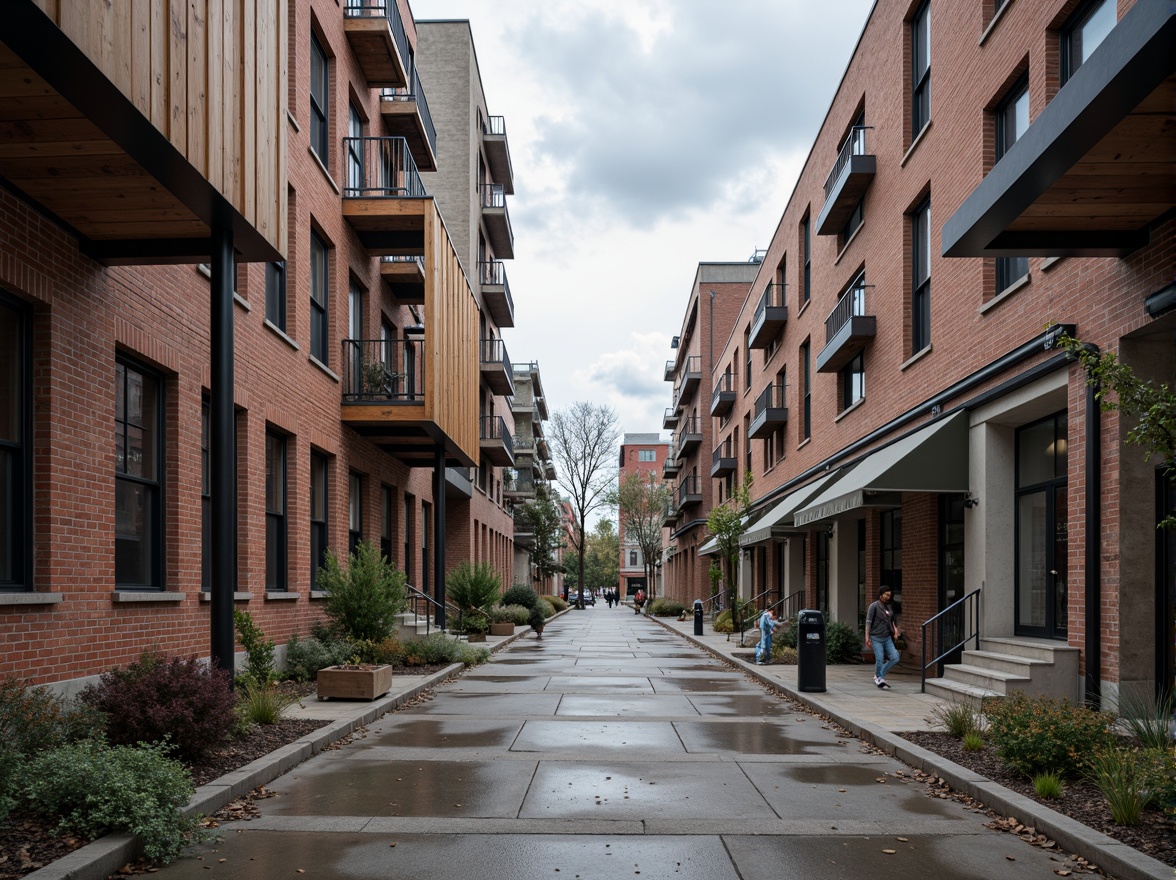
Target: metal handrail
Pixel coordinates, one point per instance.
(773, 297)
(416, 596)
(726, 449)
(852, 302)
(493, 195)
(494, 428)
(493, 351)
(965, 608)
(684, 488)
(493, 272)
(740, 626)
(724, 385)
(855, 145)
(415, 92)
(384, 370)
(495, 125)
(380, 168)
(772, 397)
(693, 364)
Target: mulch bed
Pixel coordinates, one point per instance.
(29, 843)
(1081, 800)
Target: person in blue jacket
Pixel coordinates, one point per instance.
(767, 626)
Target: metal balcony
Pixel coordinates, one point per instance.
(495, 441)
(498, 152)
(382, 196)
(847, 182)
(688, 383)
(670, 370)
(671, 515)
(497, 219)
(848, 330)
(494, 364)
(518, 490)
(723, 460)
(723, 397)
(496, 292)
(378, 40)
(406, 114)
(404, 277)
(671, 466)
(770, 316)
(771, 412)
(689, 492)
(689, 435)
(670, 419)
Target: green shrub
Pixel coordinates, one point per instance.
(469, 655)
(259, 651)
(957, 719)
(787, 636)
(474, 624)
(432, 650)
(556, 602)
(473, 587)
(1149, 720)
(501, 614)
(520, 594)
(262, 703)
(783, 654)
(666, 608)
(723, 622)
(389, 652)
(973, 741)
(305, 657)
(92, 789)
(363, 599)
(1124, 781)
(519, 614)
(1161, 766)
(843, 643)
(536, 619)
(1036, 734)
(1048, 785)
(545, 608)
(159, 698)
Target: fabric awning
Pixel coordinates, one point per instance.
(709, 548)
(778, 519)
(931, 459)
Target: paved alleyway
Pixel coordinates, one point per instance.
(612, 748)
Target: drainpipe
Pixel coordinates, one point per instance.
(1093, 547)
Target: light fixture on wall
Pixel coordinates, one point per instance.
(970, 501)
(829, 532)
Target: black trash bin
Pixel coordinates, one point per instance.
(698, 617)
(810, 651)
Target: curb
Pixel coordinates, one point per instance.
(1118, 859)
(103, 857)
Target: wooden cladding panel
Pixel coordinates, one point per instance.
(211, 76)
(451, 333)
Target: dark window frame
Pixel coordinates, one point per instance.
(275, 294)
(320, 468)
(807, 270)
(853, 379)
(806, 355)
(156, 526)
(921, 286)
(354, 511)
(320, 99)
(1083, 14)
(319, 310)
(18, 497)
(920, 36)
(277, 553)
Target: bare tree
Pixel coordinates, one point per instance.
(641, 501)
(584, 446)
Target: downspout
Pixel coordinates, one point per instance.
(1093, 546)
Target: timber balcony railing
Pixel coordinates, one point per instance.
(723, 459)
(497, 219)
(689, 435)
(383, 370)
(380, 168)
(496, 292)
(495, 366)
(771, 412)
(770, 316)
(689, 491)
(723, 397)
(406, 111)
(852, 172)
(495, 441)
(378, 39)
(847, 329)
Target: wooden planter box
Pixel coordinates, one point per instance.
(365, 683)
(502, 629)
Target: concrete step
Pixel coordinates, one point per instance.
(986, 679)
(958, 692)
(1047, 650)
(1009, 663)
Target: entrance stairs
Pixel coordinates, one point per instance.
(1002, 665)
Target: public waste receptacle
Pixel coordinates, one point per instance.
(698, 617)
(810, 651)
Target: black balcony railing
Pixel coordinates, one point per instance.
(493, 272)
(419, 260)
(416, 92)
(494, 125)
(388, 9)
(493, 195)
(852, 302)
(689, 491)
(773, 298)
(493, 351)
(380, 168)
(855, 145)
(383, 370)
(494, 428)
(772, 397)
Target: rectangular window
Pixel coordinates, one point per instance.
(852, 224)
(320, 84)
(355, 175)
(386, 523)
(319, 293)
(409, 522)
(853, 381)
(921, 69)
(1083, 33)
(354, 513)
(806, 245)
(1012, 119)
(807, 378)
(318, 515)
(921, 277)
(275, 294)
(138, 440)
(890, 548)
(747, 359)
(646, 455)
(426, 529)
(15, 446)
(275, 513)
(355, 349)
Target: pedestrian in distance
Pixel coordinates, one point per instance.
(768, 625)
(638, 601)
(881, 631)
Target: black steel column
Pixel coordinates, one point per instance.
(221, 463)
(439, 533)
(1093, 548)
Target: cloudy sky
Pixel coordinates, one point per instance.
(646, 136)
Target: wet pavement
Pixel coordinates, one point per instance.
(610, 748)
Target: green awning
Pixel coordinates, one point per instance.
(778, 520)
(709, 548)
(931, 459)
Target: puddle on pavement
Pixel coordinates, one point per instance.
(448, 733)
(838, 774)
(489, 705)
(750, 738)
(739, 704)
(678, 683)
(626, 705)
(590, 738)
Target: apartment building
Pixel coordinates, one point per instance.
(236, 330)
(534, 471)
(988, 176)
(716, 295)
(644, 455)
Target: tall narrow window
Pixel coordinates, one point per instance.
(921, 277)
(921, 69)
(386, 523)
(318, 515)
(1012, 119)
(356, 353)
(355, 175)
(747, 359)
(806, 424)
(853, 381)
(1083, 33)
(138, 440)
(15, 390)
(354, 513)
(890, 548)
(319, 293)
(409, 522)
(275, 294)
(426, 531)
(319, 99)
(806, 243)
(275, 513)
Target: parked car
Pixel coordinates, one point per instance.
(589, 599)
